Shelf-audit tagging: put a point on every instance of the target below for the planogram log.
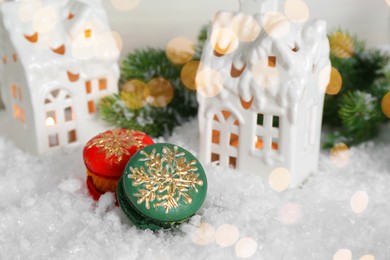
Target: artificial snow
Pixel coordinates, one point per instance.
(47, 213)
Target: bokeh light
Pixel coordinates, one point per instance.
(209, 82)
(204, 234)
(28, 9)
(335, 82)
(227, 235)
(223, 41)
(161, 92)
(359, 202)
(246, 27)
(45, 20)
(135, 94)
(340, 155)
(246, 247)
(343, 254)
(341, 45)
(279, 179)
(265, 75)
(388, 2)
(290, 213)
(125, 5)
(324, 78)
(276, 24)
(385, 104)
(180, 50)
(367, 257)
(106, 47)
(118, 40)
(296, 10)
(83, 48)
(188, 74)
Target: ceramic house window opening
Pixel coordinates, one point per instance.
(225, 138)
(60, 118)
(17, 103)
(95, 89)
(266, 133)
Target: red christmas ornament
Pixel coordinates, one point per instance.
(106, 156)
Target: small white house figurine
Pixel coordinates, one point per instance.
(261, 87)
(58, 59)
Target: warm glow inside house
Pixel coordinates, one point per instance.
(58, 59)
(261, 88)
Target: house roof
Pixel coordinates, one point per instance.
(48, 35)
(266, 57)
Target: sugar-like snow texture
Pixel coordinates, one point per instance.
(47, 213)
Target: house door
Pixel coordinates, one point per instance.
(225, 138)
(60, 121)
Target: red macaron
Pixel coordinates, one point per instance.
(106, 156)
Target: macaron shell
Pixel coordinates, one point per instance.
(107, 153)
(186, 180)
(135, 217)
(92, 189)
(103, 184)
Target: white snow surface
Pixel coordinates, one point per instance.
(47, 213)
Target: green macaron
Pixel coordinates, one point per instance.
(162, 185)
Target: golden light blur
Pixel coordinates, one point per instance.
(276, 24)
(343, 254)
(135, 94)
(388, 2)
(335, 83)
(161, 92)
(223, 41)
(265, 75)
(125, 5)
(209, 82)
(290, 213)
(246, 247)
(204, 234)
(359, 202)
(341, 45)
(296, 10)
(385, 104)
(45, 20)
(246, 27)
(279, 179)
(324, 78)
(188, 74)
(367, 257)
(180, 50)
(28, 9)
(340, 155)
(227, 235)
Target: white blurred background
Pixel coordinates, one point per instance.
(154, 22)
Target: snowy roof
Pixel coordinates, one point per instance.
(266, 57)
(50, 34)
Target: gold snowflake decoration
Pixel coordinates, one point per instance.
(116, 143)
(168, 178)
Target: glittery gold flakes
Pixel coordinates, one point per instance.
(115, 143)
(167, 178)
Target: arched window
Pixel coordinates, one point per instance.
(60, 118)
(225, 138)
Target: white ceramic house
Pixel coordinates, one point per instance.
(58, 59)
(264, 79)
